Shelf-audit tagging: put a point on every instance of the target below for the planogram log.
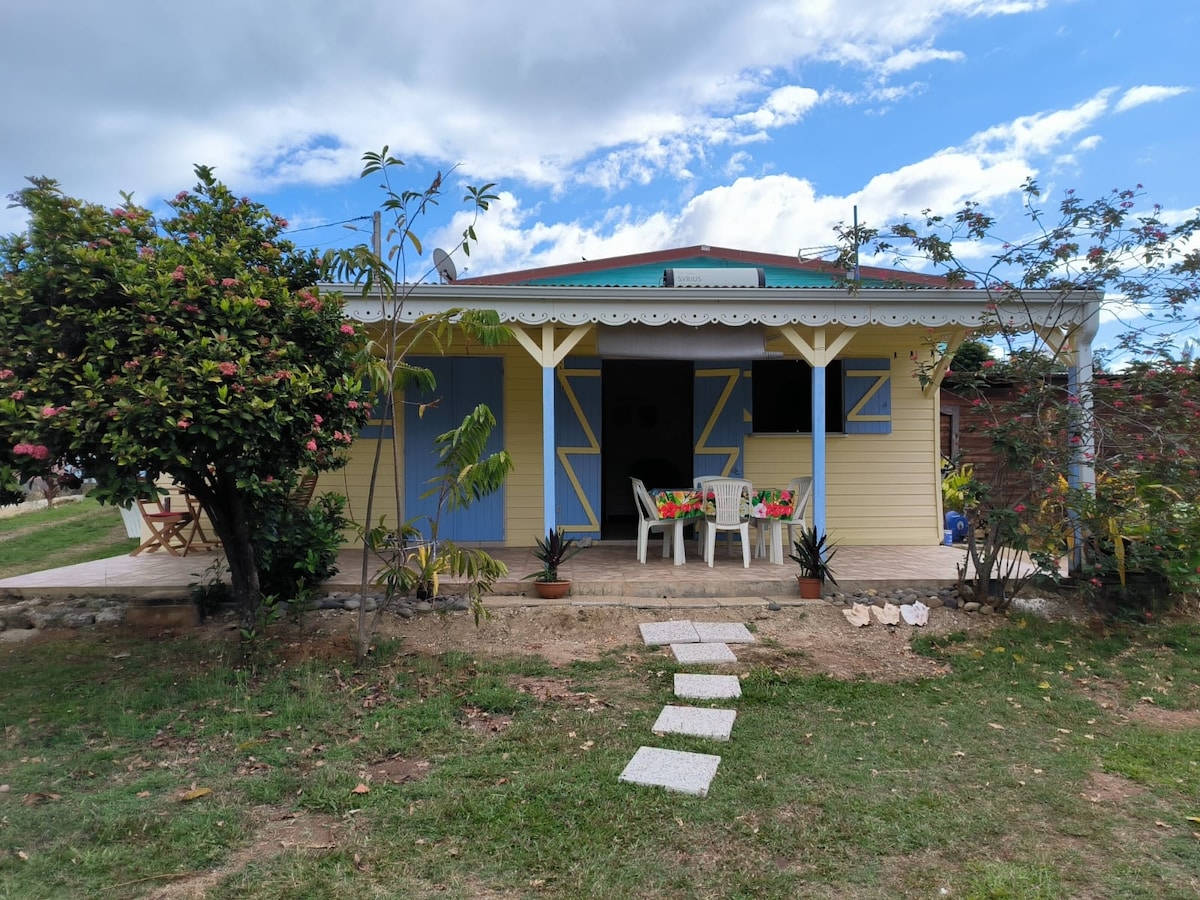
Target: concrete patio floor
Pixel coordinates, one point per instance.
(605, 571)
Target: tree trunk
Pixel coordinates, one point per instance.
(227, 513)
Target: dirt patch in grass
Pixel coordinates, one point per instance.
(481, 721)
(1107, 694)
(1104, 787)
(1164, 719)
(397, 770)
(814, 638)
(276, 832)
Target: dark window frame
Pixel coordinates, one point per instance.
(781, 397)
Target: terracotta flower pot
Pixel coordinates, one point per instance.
(810, 588)
(552, 590)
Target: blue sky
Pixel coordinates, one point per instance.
(609, 126)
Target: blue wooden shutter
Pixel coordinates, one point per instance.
(867, 395)
(577, 443)
(720, 418)
(462, 384)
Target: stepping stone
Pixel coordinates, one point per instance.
(723, 632)
(674, 632)
(703, 653)
(715, 724)
(675, 770)
(707, 687)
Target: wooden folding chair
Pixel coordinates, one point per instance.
(166, 526)
(302, 494)
(197, 538)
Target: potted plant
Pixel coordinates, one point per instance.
(552, 550)
(813, 552)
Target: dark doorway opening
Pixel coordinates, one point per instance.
(646, 422)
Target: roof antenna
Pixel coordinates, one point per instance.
(857, 273)
(445, 266)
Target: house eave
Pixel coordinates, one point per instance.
(813, 307)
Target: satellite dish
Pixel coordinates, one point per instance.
(444, 265)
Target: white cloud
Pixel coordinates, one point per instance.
(780, 213)
(911, 57)
(133, 94)
(1147, 93)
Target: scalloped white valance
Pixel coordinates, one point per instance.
(813, 307)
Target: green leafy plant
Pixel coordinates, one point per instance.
(388, 276)
(298, 546)
(552, 551)
(955, 487)
(1119, 423)
(813, 553)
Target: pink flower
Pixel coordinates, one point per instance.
(228, 368)
(353, 404)
(6, 374)
(988, 363)
(17, 395)
(318, 419)
(311, 445)
(228, 282)
(1019, 508)
(347, 329)
(177, 275)
(146, 252)
(48, 412)
(124, 229)
(270, 479)
(181, 196)
(36, 451)
(183, 423)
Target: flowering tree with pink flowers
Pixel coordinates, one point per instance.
(1102, 472)
(193, 346)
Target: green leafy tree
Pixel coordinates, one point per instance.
(193, 347)
(1102, 471)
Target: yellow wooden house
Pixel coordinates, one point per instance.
(697, 361)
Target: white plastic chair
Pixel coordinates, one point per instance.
(649, 520)
(801, 489)
(731, 513)
(698, 483)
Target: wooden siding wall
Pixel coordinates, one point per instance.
(883, 489)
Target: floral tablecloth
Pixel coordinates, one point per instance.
(686, 503)
(772, 503)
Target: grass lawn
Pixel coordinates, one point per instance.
(72, 532)
(1051, 761)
